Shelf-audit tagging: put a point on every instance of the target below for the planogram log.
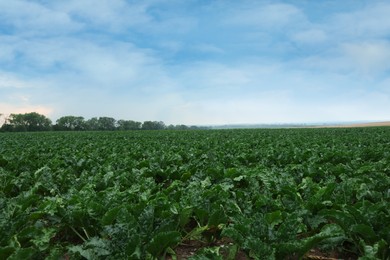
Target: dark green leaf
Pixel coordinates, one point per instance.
(162, 241)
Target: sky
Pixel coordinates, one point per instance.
(197, 62)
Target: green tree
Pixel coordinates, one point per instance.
(92, 124)
(29, 122)
(182, 127)
(128, 125)
(2, 122)
(153, 125)
(106, 123)
(71, 123)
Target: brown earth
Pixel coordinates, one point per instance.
(387, 123)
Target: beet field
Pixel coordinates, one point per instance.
(201, 194)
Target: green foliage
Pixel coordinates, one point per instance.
(153, 125)
(128, 125)
(67, 123)
(27, 122)
(161, 241)
(32, 122)
(265, 194)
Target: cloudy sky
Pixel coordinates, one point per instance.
(197, 61)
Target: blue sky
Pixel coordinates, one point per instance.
(197, 62)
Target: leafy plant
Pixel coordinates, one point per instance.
(262, 193)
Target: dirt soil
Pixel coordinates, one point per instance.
(387, 123)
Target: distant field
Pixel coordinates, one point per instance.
(214, 194)
(373, 124)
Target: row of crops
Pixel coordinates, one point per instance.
(215, 194)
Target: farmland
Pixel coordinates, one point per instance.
(212, 194)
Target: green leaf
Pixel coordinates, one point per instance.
(205, 183)
(365, 231)
(382, 249)
(274, 218)
(110, 216)
(233, 233)
(184, 216)
(56, 253)
(133, 247)
(233, 249)
(22, 253)
(207, 253)
(92, 249)
(329, 231)
(301, 247)
(368, 251)
(344, 219)
(239, 178)
(98, 245)
(172, 253)
(173, 209)
(195, 233)
(3, 161)
(162, 241)
(217, 217)
(80, 250)
(5, 252)
(43, 240)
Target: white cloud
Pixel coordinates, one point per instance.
(105, 14)
(371, 21)
(31, 18)
(265, 62)
(358, 60)
(211, 79)
(7, 109)
(20, 100)
(22, 95)
(269, 16)
(171, 46)
(7, 47)
(310, 36)
(371, 106)
(11, 82)
(208, 48)
(368, 57)
(82, 62)
(384, 84)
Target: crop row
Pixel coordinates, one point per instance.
(261, 194)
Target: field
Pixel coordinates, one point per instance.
(212, 194)
(384, 123)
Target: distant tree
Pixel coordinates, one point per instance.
(182, 127)
(193, 127)
(128, 125)
(67, 123)
(3, 123)
(153, 125)
(177, 127)
(37, 122)
(6, 128)
(17, 122)
(106, 123)
(92, 124)
(29, 122)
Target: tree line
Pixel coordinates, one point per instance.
(32, 122)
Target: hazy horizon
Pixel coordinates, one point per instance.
(197, 62)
